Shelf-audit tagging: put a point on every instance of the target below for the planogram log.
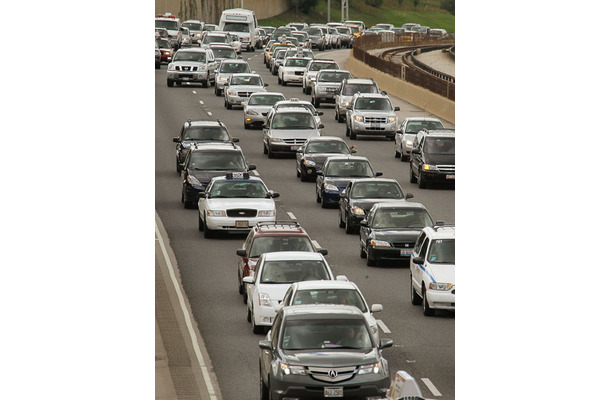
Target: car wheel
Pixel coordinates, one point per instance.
(324, 203)
(415, 299)
(170, 83)
(279, 81)
(318, 199)
(403, 157)
(307, 90)
(158, 66)
(246, 126)
(340, 118)
(304, 177)
(352, 135)
(396, 153)
(369, 260)
(421, 181)
(341, 222)
(229, 106)
(428, 312)
(264, 390)
(207, 232)
(200, 222)
(347, 130)
(303, 89)
(206, 83)
(349, 229)
(315, 102)
(178, 167)
(413, 178)
(362, 252)
(270, 153)
(265, 151)
(217, 92)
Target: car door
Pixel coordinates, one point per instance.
(344, 201)
(422, 276)
(415, 270)
(398, 137)
(320, 180)
(252, 289)
(267, 356)
(416, 156)
(366, 230)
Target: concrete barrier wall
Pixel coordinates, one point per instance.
(418, 96)
(210, 10)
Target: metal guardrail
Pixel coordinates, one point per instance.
(410, 70)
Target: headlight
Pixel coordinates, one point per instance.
(358, 118)
(345, 103)
(275, 139)
(193, 181)
(440, 286)
(357, 211)
(171, 67)
(232, 92)
(429, 167)
(409, 143)
(292, 369)
(380, 243)
(392, 119)
(329, 186)
(374, 329)
(264, 300)
(309, 163)
(370, 368)
(216, 213)
(251, 112)
(222, 79)
(266, 213)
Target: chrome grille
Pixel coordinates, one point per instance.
(446, 169)
(244, 94)
(323, 373)
(241, 212)
(294, 141)
(375, 120)
(187, 68)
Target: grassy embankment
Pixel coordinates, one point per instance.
(427, 13)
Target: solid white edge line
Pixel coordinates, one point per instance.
(189, 325)
(316, 244)
(255, 172)
(383, 326)
(431, 386)
(291, 215)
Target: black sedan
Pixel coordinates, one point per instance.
(314, 152)
(360, 195)
(390, 231)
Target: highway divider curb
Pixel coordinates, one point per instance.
(418, 96)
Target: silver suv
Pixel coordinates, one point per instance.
(240, 86)
(292, 70)
(312, 70)
(371, 114)
(287, 129)
(226, 69)
(327, 85)
(347, 90)
(192, 65)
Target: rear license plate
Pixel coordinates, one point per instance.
(241, 224)
(294, 148)
(333, 392)
(450, 176)
(406, 252)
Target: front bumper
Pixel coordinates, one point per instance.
(264, 316)
(326, 94)
(229, 223)
(389, 254)
(282, 147)
(288, 77)
(235, 100)
(187, 76)
(257, 120)
(191, 193)
(309, 172)
(366, 128)
(441, 299)
(331, 197)
(304, 387)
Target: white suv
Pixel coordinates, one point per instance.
(433, 269)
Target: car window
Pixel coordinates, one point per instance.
(424, 248)
(349, 297)
(235, 68)
(233, 189)
(442, 251)
(323, 65)
(206, 133)
(246, 80)
(290, 271)
(439, 145)
(221, 52)
(333, 76)
(401, 218)
(224, 161)
(311, 334)
(267, 244)
(264, 100)
(380, 190)
(416, 126)
(418, 243)
(327, 147)
(353, 88)
(297, 62)
(293, 121)
(377, 104)
(356, 169)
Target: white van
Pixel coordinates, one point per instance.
(242, 23)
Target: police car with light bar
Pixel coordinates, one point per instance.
(235, 202)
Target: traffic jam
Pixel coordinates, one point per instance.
(282, 123)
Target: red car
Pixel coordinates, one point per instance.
(267, 237)
(167, 52)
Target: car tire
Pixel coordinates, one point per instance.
(249, 316)
(403, 157)
(369, 260)
(270, 153)
(324, 203)
(347, 130)
(341, 222)
(340, 118)
(217, 92)
(353, 135)
(303, 89)
(229, 106)
(415, 298)
(318, 198)
(206, 83)
(428, 312)
(336, 115)
(307, 90)
(240, 285)
(421, 181)
(157, 65)
(349, 229)
(246, 126)
(170, 83)
(207, 232)
(279, 81)
(200, 222)
(178, 167)
(256, 329)
(413, 178)
(265, 151)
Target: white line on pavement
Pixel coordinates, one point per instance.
(194, 92)
(316, 244)
(189, 325)
(209, 113)
(201, 102)
(291, 215)
(431, 386)
(383, 326)
(255, 172)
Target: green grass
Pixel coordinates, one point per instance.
(391, 11)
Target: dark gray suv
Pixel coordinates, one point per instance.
(319, 351)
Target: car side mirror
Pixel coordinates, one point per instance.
(248, 279)
(273, 195)
(415, 151)
(266, 345)
(383, 92)
(320, 173)
(239, 57)
(352, 150)
(225, 84)
(241, 252)
(320, 113)
(324, 252)
(378, 173)
(202, 195)
(266, 84)
(176, 140)
(418, 260)
(321, 126)
(235, 139)
(409, 196)
(251, 167)
(376, 308)
(300, 150)
(364, 222)
(343, 194)
(396, 108)
(385, 343)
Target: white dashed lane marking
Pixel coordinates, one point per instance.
(383, 326)
(201, 102)
(291, 215)
(209, 113)
(316, 244)
(431, 386)
(194, 92)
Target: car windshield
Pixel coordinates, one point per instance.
(349, 297)
(321, 65)
(206, 133)
(221, 52)
(439, 146)
(442, 251)
(162, 32)
(280, 54)
(236, 27)
(189, 56)
(345, 169)
(313, 334)
(290, 271)
(192, 26)
(297, 62)
(246, 189)
(376, 190)
(221, 161)
(333, 76)
(246, 80)
(344, 31)
(306, 106)
(377, 104)
(163, 44)
(313, 32)
(215, 39)
(264, 100)
(293, 121)
(209, 28)
(327, 147)
(401, 218)
(235, 68)
(267, 244)
(353, 88)
(416, 126)
(169, 25)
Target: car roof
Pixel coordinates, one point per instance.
(318, 310)
(326, 139)
(279, 228)
(422, 119)
(359, 81)
(308, 285)
(440, 232)
(346, 158)
(216, 146)
(399, 204)
(334, 70)
(440, 132)
(292, 110)
(372, 95)
(293, 255)
(376, 180)
(267, 94)
(220, 45)
(203, 123)
(192, 49)
(224, 178)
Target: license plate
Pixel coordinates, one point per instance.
(406, 252)
(294, 148)
(241, 224)
(375, 125)
(450, 176)
(333, 392)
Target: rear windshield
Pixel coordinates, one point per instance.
(193, 26)
(439, 146)
(235, 68)
(264, 100)
(293, 121)
(206, 133)
(349, 297)
(322, 65)
(267, 244)
(327, 147)
(356, 169)
(353, 88)
(333, 76)
(236, 27)
(401, 218)
(376, 190)
(215, 39)
(169, 25)
(416, 126)
(290, 271)
(297, 62)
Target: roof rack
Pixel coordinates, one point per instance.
(276, 223)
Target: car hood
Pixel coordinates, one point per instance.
(366, 204)
(377, 114)
(440, 159)
(188, 63)
(260, 109)
(444, 273)
(396, 235)
(332, 358)
(294, 133)
(333, 84)
(224, 204)
(205, 176)
(276, 291)
(247, 88)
